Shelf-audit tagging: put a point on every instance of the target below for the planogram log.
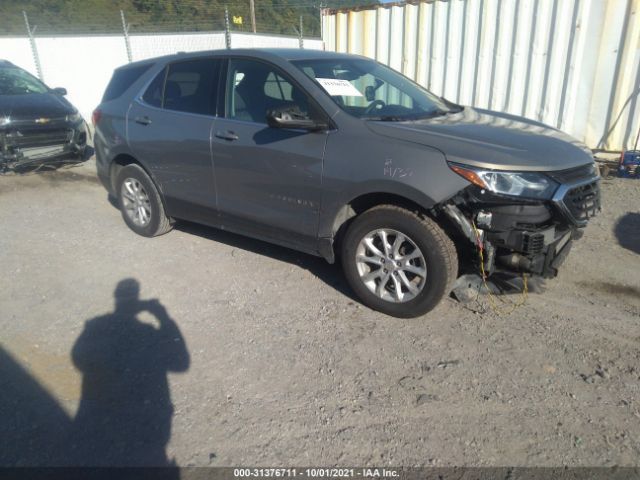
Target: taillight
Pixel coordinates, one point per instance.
(621, 157)
(96, 116)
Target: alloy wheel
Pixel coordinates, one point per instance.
(135, 202)
(391, 265)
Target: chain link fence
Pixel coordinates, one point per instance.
(147, 16)
(79, 51)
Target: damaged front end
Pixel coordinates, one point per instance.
(36, 141)
(530, 233)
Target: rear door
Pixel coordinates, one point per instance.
(169, 129)
(269, 179)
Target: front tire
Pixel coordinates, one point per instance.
(140, 202)
(398, 262)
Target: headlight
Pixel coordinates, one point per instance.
(5, 121)
(515, 184)
(74, 117)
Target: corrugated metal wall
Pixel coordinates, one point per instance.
(573, 64)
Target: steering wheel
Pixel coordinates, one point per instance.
(372, 106)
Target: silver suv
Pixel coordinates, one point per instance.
(338, 155)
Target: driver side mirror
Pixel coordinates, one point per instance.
(59, 91)
(293, 117)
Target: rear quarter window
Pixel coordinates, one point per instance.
(122, 79)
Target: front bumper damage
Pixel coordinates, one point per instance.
(28, 143)
(532, 237)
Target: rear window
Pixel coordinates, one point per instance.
(122, 79)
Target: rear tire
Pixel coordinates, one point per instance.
(406, 252)
(140, 203)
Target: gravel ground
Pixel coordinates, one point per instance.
(275, 363)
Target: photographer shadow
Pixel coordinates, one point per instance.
(125, 412)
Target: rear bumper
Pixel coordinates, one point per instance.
(102, 167)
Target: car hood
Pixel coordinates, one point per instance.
(492, 140)
(34, 105)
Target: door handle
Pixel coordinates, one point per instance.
(228, 135)
(143, 120)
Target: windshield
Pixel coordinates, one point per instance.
(370, 90)
(15, 81)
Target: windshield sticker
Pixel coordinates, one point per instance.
(336, 86)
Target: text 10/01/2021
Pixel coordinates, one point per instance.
(315, 473)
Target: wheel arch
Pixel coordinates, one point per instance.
(366, 201)
(122, 160)
(337, 222)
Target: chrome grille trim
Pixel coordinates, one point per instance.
(579, 201)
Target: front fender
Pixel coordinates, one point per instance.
(369, 164)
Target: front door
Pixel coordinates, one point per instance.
(269, 180)
(169, 130)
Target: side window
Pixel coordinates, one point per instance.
(122, 79)
(277, 87)
(153, 95)
(254, 88)
(192, 86)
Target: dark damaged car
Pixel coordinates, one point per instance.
(37, 124)
(339, 156)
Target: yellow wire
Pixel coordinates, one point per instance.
(492, 298)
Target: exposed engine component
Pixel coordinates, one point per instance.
(523, 236)
(483, 219)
